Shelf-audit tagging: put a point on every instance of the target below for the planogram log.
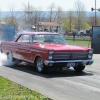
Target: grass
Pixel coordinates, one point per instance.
(86, 43)
(12, 91)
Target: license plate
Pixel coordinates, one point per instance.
(70, 64)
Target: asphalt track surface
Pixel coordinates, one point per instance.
(58, 85)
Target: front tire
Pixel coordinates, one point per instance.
(40, 67)
(79, 68)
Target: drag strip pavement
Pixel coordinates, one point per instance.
(58, 85)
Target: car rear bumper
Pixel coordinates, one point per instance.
(84, 62)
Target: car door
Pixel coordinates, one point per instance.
(24, 48)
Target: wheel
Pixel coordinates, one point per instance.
(11, 60)
(0, 51)
(79, 68)
(40, 67)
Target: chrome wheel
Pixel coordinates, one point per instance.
(40, 66)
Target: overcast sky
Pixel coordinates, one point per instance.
(65, 4)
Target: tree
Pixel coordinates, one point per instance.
(59, 17)
(0, 16)
(70, 17)
(12, 14)
(52, 14)
(91, 20)
(32, 15)
(65, 25)
(80, 15)
(69, 22)
(38, 15)
(28, 10)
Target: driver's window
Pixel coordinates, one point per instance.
(20, 39)
(24, 39)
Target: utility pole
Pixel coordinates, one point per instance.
(92, 9)
(95, 13)
(28, 12)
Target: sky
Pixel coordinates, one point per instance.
(43, 4)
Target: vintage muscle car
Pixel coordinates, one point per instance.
(46, 50)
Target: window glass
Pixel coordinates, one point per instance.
(20, 39)
(24, 39)
(50, 38)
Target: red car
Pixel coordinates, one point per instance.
(46, 50)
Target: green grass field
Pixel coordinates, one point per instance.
(85, 43)
(12, 91)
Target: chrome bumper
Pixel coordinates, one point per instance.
(85, 62)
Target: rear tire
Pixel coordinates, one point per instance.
(40, 67)
(11, 61)
(0, 51)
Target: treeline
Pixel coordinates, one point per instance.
(70, 20)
